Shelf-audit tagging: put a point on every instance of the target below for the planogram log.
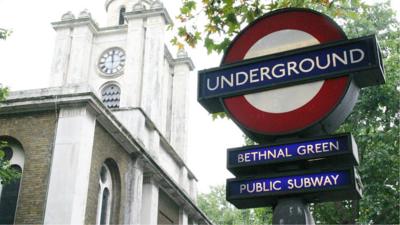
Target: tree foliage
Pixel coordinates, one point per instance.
(224, 19)
(374, 121)
(4, 33)
(7, 174)
(220, 211)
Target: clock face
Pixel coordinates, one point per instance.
(112, 61)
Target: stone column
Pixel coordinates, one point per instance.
(153, 145)
(81, 46)
(149, 212)
(183, 217)
(134, 189)
(62, 49)
(180, 100)
(70, 167)
(184, 179)
(153, 64)
(193, 189)
(134, 61)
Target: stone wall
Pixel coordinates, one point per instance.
(35, 131)
(106, 148)
(168, 210)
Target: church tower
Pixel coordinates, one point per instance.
(110, 143)
(127, 64)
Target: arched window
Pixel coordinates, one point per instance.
(110, 95)
(121, 16)
(9, 192)
(109, 196)
(104, 205)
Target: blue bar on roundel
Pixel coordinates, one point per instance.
(282, 70)
(359, 57)
(255, 74)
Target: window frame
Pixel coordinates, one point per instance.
(107, 184)
(121, 17)
(17, 159)
(103, 89)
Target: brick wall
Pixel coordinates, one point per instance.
(105, 147)
(35, 131)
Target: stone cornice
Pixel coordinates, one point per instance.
(87, 21)
(96, 30)
(118, 28)
(163, 140)
(108, 2)
(145, 13)
(185, 60)
(180, 60)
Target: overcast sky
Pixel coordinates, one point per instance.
(25, 59)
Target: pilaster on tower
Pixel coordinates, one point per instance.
(146, 27)
(180, 103)
(73, 48)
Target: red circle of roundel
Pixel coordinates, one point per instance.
(330, 94)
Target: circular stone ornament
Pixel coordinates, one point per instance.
(317, 107)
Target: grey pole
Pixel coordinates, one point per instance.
(292, 211)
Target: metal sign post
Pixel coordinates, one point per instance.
(289, 80)
(292, 211)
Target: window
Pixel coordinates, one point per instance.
(110, 96)
(121, 16)
(9, 192)
(105, 197)
(109, 194)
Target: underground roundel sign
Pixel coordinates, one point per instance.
(289, 73)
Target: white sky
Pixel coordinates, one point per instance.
(25, 59)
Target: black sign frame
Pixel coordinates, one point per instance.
(353, 191)
(322, 160)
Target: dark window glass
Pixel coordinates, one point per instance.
(104, 206)
(121, 16)
(8, 201)
(8, 153)
(103, 174)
